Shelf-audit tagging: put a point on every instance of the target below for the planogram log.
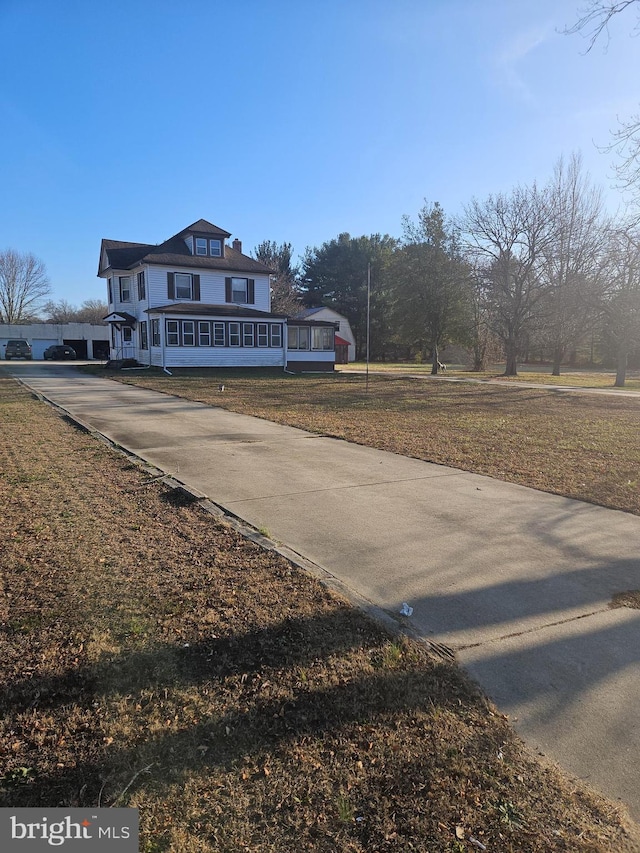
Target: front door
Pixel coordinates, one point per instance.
(128, 349)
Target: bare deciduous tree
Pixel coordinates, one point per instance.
(592, 24)
(620, 295)
(92, 311)
(569, 259)
(505, 236)
(23, 286)
(59, 312)
(595, 18)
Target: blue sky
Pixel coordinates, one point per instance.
(286, 120)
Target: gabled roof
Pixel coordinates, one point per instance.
(120, 317)
(307, 312)
(203, 227)
(122, 255)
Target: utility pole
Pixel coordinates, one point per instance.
(368, 322)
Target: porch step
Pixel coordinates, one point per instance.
(119, 363)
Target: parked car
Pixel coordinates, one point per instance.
(59, 351)
(17, 349)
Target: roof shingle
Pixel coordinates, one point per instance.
(122, 255)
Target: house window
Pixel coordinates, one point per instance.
(125, 288)
(276, 335)
(142, 288)
(248, 335)
(215, 248)
(298, 337)
(155, 333)
(263, 335)
(183, 286)
(218, 334)
(201, 246)
(173, 336)
(110, 290)
(322, 338)
(240, 290)
(144, 338)
(234, 334)
(188, 333)
(204, 334)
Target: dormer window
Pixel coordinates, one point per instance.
(205, 247)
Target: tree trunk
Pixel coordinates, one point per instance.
(512, 358)
(621, 365)
(434, 362)
(558, 353)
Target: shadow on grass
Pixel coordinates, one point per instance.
(254, 718)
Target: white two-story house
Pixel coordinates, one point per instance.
(195, 301)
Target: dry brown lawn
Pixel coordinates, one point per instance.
(151, 656)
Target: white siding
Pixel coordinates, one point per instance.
(311, 355)
(212, 286)
(218, 357)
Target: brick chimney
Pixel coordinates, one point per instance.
(237, 245)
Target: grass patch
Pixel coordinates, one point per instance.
(630, 598)
(181, 669)
(572, 377)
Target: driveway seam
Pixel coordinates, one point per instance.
(533, 630)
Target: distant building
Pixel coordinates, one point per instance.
(344, 327)
(88, 340)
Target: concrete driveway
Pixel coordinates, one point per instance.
(517, 582)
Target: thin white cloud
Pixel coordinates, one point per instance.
(510, 59)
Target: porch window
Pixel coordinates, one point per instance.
(248, 335)
(298, 337)
(173, 335)
(322, 338)
(188, 333)
(218, 334)
(276, 335)
(204, 333)
(234, 334)
(263, 335)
